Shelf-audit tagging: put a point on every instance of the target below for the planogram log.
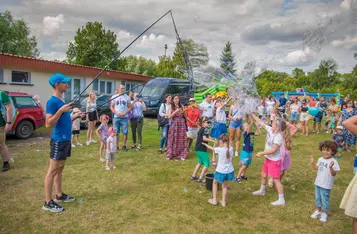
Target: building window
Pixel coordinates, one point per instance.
(103, 87)
(21, 77)
(136, 88)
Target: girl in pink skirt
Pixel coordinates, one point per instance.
(285, 148)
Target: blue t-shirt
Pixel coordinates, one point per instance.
(248, 144)
(63, 128)
(282, 101)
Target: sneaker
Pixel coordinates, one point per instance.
(323, 217)
(236, 154)
(5, 167)
(133, 147)
(88, 143)
(258, 193)
(64, 198)
(200, 181)
(244, 178)
(107, 168)
(316, 214)
(165, 149)
(52, 206)
(194, 178)
(73, 146)
(160, 151)
(124, 148)
(238, 180)
(138, 148)
(113, 167)
(278, 203)
(79, 144)
(93, 141)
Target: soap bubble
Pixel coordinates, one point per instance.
(185, 190)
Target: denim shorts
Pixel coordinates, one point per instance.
(235, 124)
(318, 117)
(121, 123)
(322, 198)
(294, 116)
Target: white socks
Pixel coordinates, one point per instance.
(262, 188)
(281, 197)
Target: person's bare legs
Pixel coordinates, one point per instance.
(238, 136)
(89, 132)
(224, 193)
(203, 173)
(118, 141)
(231, 136)
(102, 146)
(189, 143)
(53, 169)
(4, 151)
(214, 190)
(196, 170)
(279, 186)
(354, 225)
(307, 127)
(282, 175)
(303, 128)
(124, 139)
(58, 179)
(77, 139)
(314, 127)
(241, 171)
(263, 179)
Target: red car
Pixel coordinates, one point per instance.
(30, 115)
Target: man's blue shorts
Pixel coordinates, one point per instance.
(121, 123)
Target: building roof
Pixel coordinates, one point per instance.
(73, 69)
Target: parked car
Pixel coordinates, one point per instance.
(103, 107)
(30, 115)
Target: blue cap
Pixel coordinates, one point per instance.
(58, 78)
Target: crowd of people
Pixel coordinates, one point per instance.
(221, 122)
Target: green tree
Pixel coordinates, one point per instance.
(166, 68)
(227, 59)
(197, 56)
(93, 46)
(15, 37)
(325, 75)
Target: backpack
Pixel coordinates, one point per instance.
(3, 110)
(162, 121)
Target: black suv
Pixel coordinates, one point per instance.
(103, 107)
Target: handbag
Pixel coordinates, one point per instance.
(162, 121)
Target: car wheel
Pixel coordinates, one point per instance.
(24, 129)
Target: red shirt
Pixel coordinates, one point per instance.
(193, 114)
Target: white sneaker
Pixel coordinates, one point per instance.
(114, 167)
(79, 144)
(73, 146)
(88, 143)
(278, 203)
(107, 168)
(316, 214)
(323, 217)
(258, 193)
(94, 141)
(236, 154)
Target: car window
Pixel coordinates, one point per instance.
(102, 100)
(24, 102)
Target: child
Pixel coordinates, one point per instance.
(326, 168)
(220, 126)
(272, 163)
(285, 148)
(246, 153)
(339, 140)
(201, 150)
(111, 149)
(102, 133)
(332, 122)
(224, 171)
(76, 126)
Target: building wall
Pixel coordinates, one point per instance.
(40, 86)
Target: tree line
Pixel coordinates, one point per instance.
(93, 45)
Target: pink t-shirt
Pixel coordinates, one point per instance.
(76, 124)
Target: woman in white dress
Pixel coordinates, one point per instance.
(269, 104)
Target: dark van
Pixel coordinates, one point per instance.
(154, 91)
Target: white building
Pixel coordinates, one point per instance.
(30, 75)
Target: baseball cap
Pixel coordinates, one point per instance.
(58, 78)
(339, 127)
(192, 99)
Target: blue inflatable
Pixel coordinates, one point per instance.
(314, 111)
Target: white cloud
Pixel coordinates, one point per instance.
(51, 25)
(53, 56)
(297, 57)
(348, 42)
(123, 34)
(151, 41)
(346, 4)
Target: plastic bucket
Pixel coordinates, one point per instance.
(209, 181)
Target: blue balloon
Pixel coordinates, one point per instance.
(314, 111)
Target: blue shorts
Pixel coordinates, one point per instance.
(121, 123)
(235, 124)
(218, 130)
(294, 116)
(221, 177)
(318, 117)
(246, 158)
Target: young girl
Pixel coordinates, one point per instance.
(247, 152)
(111, 149)
(220, 126)
(286, 148)
(326, 168)
(272, 163)
(201, 150)
(332, 122)
(102, 133)
(224, 170)
(76, 125)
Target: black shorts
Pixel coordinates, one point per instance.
(75, 132)
(60, 150)
(92, 116)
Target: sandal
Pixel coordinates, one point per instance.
(194, 178)
(211, 201)
(222, 204)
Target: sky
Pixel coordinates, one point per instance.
(276, 34)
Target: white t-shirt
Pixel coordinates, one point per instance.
(324, 178)
(260, 110)
(207, 109)
(294, 107)
(271, 139)
(237, 111)
(121, 104)
(221, 115)
(224, 165)
(270, 104)
(112, 144)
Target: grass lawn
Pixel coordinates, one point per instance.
(147, 194)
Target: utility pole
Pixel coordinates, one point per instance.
(165, 49)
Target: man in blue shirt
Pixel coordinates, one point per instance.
(282, 103)
(58, 117)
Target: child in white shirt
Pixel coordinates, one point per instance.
(224, 170)
(111, 149)
(76, 126)
(220, 126)
(326, 168)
